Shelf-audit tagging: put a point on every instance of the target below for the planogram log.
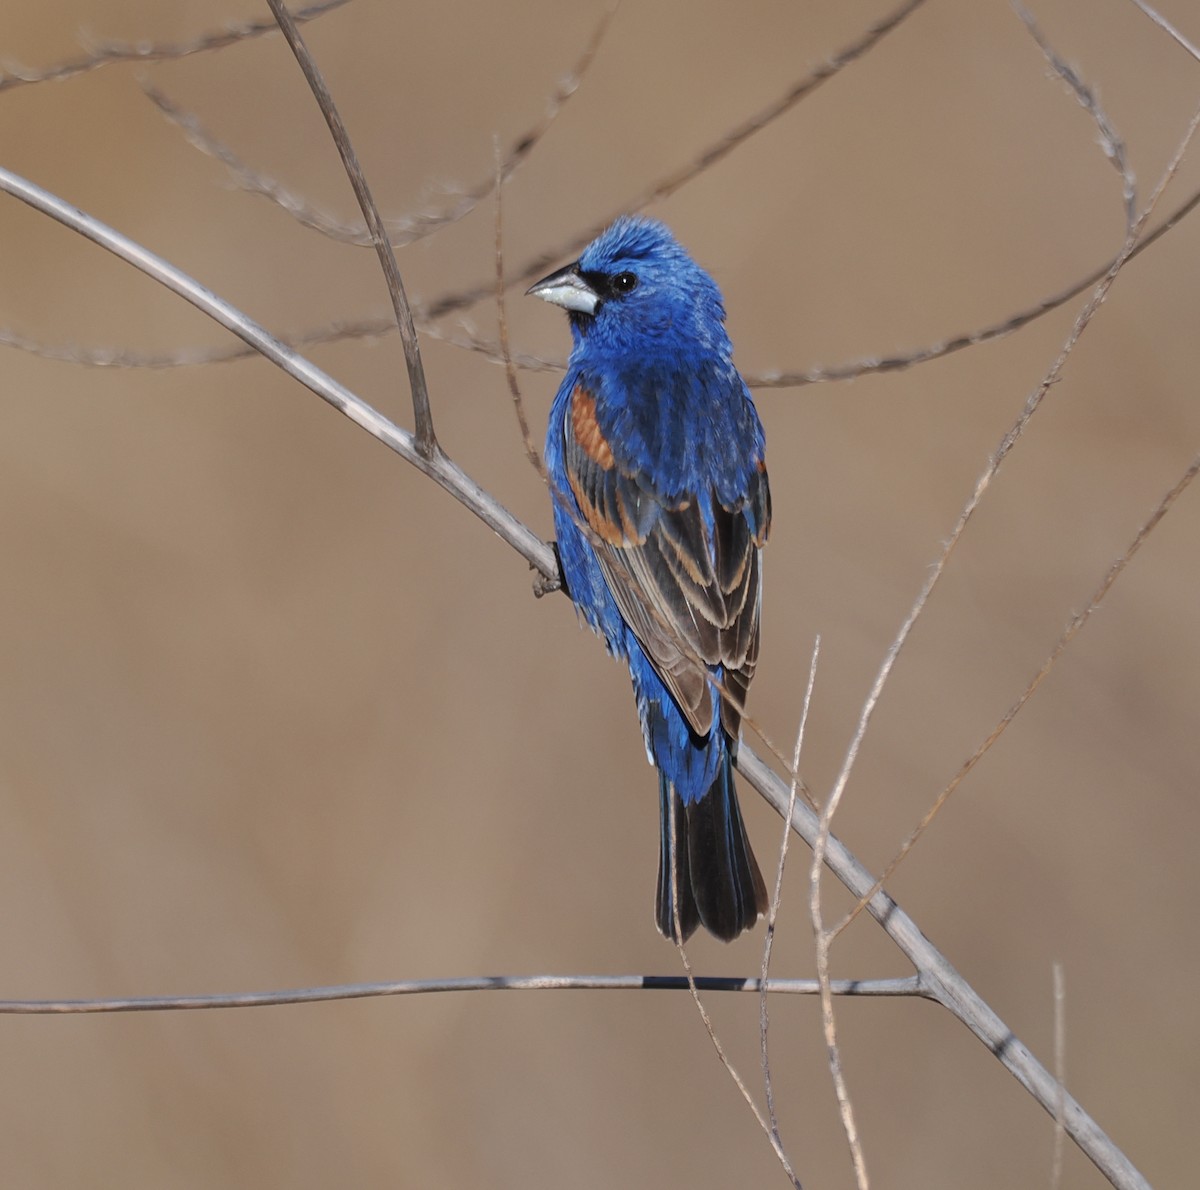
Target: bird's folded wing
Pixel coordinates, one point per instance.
(684, 575)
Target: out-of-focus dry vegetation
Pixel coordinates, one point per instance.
(275, 711)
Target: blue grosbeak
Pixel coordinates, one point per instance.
(661, 507)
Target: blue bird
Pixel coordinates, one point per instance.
(655, 457)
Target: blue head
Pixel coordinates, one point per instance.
(636, 291)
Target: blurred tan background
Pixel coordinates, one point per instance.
(274, 711)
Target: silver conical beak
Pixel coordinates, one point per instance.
(568, 289)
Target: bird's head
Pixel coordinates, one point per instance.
(635, 289)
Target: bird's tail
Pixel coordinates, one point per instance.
(720, 886)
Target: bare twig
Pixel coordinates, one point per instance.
(772, 1134)
(1060, 1073)
(427, 443)
(106, 53)
(437, 467)
(708, 157)
(255, 181)
(402, 230)
(1032, 404)
(1069, 633)
(777, 894)
(1077, 622)
(338, 331)
(829, 1028)
(377, 327)
(510, 370)
(822, 941)
(907, 986)
(1167, 27)
(946, 985)
(1111, 143)
(873, 365)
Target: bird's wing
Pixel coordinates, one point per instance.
(685, 576)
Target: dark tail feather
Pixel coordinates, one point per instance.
(720, 886)
(664, 900)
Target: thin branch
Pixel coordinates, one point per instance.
(466, 337)
(1077, 622)
(1060, 1073)
(337, 331)
(777, 895)
(427, 442)
(1167, 27)
(1032, 405)
(822, 941)
(908, 986)
(1111, 143)
(106, 53)
(437, 467)
(1069, 633)
(829, 1028)
(802, 89)
(772, 1134)
(254, 181)
(946, 985)
(377, 327)
(998, 330)
(401, 230)
(709, 156)
(510, 369)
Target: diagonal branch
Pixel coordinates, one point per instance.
(510, 367)
(1068, 634)
(402, 230)
(1111, 143)
(1051, 378)
(997, 330)
(437, 467)
(946, 985)
(669, 183)
(427, 443)
(1168, 28)
(106, 53)
(772, 1134)
(1032, 404)
(777, 896)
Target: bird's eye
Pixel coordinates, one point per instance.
(624, 283)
